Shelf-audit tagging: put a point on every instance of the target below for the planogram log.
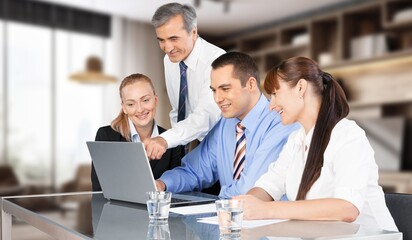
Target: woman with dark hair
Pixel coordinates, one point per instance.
(327, 168)
(135, 123)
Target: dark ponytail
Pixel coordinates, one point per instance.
(333, 108)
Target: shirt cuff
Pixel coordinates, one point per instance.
(168, 183)
(171, 138)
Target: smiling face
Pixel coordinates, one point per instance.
(139, 103)
(287, 101)
(228, 93)
(174, 40)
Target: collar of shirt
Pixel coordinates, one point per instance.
(249, 122)
(191, 60)
(303, 141)
(304, 138)
(135, 136)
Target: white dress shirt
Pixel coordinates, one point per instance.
(201, 110)
(349, 172)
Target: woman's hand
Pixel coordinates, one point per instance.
(254, 208)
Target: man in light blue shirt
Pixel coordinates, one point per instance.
(235, 87)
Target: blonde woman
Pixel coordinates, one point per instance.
(135, 123)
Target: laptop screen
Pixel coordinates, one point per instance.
(125, 174)
(123, 170)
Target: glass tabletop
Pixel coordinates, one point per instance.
(91, 216)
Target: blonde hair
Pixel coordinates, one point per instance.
(121, 123)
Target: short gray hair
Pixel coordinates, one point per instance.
(165, 12)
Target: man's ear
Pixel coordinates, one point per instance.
(194, 32)
(252, 83)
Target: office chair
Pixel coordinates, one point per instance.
(9, 183)
(10, 186)
(400, 206)
(81, 182)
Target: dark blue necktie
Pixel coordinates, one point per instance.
(181, 114)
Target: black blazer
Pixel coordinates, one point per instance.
(170, 159)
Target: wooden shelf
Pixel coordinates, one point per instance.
(328, 46)
(393, 8)
(398, 25)
(259, 42)
(385, 61)
(378, 82)
(400, 182)
(380, 102)
(279, 50)
(377, 77)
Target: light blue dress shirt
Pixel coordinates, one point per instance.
(213, 159)
(135, 136)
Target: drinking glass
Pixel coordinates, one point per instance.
(158, 205)
(230, 216)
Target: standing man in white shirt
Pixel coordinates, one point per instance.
(176, 31)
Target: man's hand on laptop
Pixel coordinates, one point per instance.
(160, 185)
(155, 147)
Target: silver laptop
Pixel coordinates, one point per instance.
(125, 174)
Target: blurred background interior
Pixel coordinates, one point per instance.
(61, 62)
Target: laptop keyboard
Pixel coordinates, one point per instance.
(178, 200)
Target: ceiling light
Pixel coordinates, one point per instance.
(93, 73)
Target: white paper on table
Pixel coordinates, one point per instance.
(195, 209)
(245, 223)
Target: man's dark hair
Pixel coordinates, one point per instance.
(244, 66)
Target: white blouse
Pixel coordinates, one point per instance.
(349, 172)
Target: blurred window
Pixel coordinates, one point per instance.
(2, 100)
(49, 116)
(29, 71)
(79, 106)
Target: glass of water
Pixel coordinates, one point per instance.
(230, 216)
(158, 205)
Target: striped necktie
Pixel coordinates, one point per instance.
(181, 112)
(240, 151)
